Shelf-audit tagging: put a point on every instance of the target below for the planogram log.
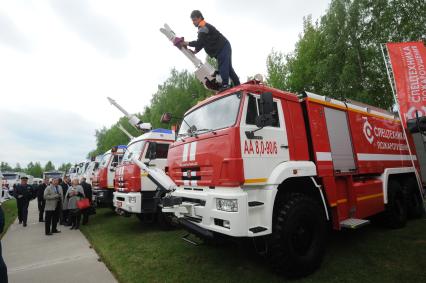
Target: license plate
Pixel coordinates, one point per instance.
(119, 203)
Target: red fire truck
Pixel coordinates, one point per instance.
(134, 192)
(258, 162)
(103, 179)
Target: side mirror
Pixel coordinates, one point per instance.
(166, 118)
(266, 108)
(152, 150)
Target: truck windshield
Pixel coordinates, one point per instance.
(219, 114)
(133, 150)
(85, 167)
(10, 176)
(104, 161)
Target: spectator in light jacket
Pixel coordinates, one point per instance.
(53, 196)
(73, 195)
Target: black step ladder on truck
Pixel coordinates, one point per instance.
(417, 129)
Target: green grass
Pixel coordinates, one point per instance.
(143, 253)
(10, 213)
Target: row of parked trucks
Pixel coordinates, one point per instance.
(257, 162)
(277, 167)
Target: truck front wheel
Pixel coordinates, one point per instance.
(297, 243)
(395, 214)
(413, 198)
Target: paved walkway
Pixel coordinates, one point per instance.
(65, 257)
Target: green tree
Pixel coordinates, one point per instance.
(18, 168)
(177, 94)
(64, 167)
(37, 170)
(49, 166)
(277, 70)
(107, 138)
(34, 169)
(4, 166)
(341, 55)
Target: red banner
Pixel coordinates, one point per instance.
(408, 61)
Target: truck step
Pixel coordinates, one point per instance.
(255, 203)
(257, 229)
(354, 223)
(187, 239)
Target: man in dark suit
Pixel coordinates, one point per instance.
(23, 194)
(41, 202)
(88, 193)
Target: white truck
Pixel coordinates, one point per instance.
(53, 174)
(10, 179)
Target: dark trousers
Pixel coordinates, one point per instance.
(3, 268)
(40, 203)
(22, 209)
(224, 60)
(65, 217)
(75, 218)
(51, 220)
(85, 216)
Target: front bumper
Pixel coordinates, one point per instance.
(129, 202)
(199, 207)
(103, 197)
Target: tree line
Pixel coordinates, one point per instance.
(338, 56)
(34, 169)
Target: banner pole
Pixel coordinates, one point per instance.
(392, 83)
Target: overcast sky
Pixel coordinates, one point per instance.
(60, 59)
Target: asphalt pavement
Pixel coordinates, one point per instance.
(31, 256)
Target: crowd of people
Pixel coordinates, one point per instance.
(57, 201)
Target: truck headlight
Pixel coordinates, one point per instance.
(132, 199)
(229, 205)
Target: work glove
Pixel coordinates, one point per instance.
(179, 42)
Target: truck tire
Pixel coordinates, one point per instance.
(297, 244)
(413, 198)
(395, 215)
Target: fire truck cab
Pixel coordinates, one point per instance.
(134, 192)
(103, 179)
(254, 161)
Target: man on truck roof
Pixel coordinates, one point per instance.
(216, 45)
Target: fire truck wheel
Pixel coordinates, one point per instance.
(297, 243)
(395, 215)
(413, 198)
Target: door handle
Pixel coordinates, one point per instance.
(284, 146)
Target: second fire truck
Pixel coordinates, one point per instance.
(134, 192)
